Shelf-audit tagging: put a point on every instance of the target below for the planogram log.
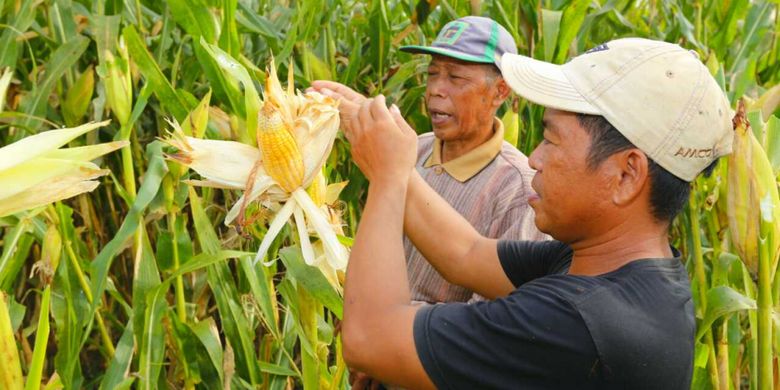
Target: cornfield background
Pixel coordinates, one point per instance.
(139, 283)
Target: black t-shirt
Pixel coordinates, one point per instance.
(632, 328)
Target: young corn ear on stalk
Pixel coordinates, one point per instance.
(752, 196)
(34, 171)
(295, 133)
(115, 73)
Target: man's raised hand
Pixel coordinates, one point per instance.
(383, 145)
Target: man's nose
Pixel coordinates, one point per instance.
(436, 87)
(535, 159)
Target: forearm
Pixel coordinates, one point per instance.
(376, 275)
(443, 236)
(450, 244)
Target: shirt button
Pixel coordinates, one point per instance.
(438, 170)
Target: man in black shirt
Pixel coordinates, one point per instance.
(607, 305)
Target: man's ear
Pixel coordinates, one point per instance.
(502, 91)
(632, 172)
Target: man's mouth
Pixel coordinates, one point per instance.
(438, 116)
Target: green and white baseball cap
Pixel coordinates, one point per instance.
(657, 94)
(471, 38)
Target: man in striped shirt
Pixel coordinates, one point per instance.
(465, 159)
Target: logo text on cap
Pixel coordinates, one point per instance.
(694, 153)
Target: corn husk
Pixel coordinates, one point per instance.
(310, 121)
(752, 196)
(35, 172)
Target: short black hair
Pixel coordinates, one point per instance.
(668, 193)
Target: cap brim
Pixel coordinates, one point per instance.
(543, 83)
(446, 52)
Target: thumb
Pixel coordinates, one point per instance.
(395, 113)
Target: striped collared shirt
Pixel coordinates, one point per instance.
(489, 186)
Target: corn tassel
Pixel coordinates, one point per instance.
(10, 368)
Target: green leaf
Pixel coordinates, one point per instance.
(152, 340)
(207, 333)
(41, 340)
(276, 369)
(154, 76)
(20, 22)
(772, 143)
(261, 285)
(117, 369)
(190, 354)
(570, 23)
(312, 280)
(551, 24)
(234, 322)
(105, 32)
(61, 60)
(194, 17)
(723, 300)
(234, 69)
(16, 247)
(228, 38)
(151, 183)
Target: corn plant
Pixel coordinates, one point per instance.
(118, 270)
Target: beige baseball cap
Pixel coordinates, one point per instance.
(657, 94)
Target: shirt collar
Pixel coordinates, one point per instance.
(466, 166)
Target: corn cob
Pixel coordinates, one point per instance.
(752, 191)
(281, 157)
(10, 368)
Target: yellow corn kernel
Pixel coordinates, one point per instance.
(282, 159)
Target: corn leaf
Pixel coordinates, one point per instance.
(572, 18)
(723, 300)
(15, 241)
(61, 60)
(551, 24)
(160, 85)
(234, 322)
(238, 72)
(193, 16)
(117, 371)
(312, 280)
(151, 183)
(21, 21)
(41, 340)
(207, 333)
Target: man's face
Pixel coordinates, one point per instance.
(569, 196)
(460, 96)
